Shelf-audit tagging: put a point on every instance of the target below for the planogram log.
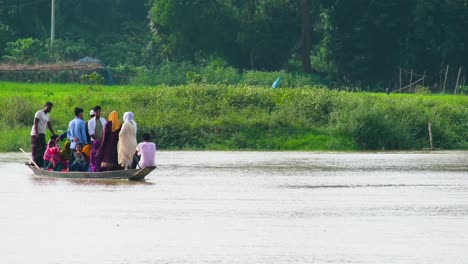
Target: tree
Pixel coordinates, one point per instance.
(365, 37)
(256, 34)
(305, 36)
(370, 40)
(26, 50)
(114, 31)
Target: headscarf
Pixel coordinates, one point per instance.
(114, 118)
(128, 117)
(87, 150)
(66, 152)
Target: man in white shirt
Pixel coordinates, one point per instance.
(96, 124)
(38, 142)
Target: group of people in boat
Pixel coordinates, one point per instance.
(94, 145)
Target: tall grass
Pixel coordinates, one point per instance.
(186, 73)
(223, 117)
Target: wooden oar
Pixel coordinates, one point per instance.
(29, 158)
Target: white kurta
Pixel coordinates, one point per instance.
(127, 144)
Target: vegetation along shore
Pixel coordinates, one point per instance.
(225, 117)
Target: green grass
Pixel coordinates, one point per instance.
(242, 117)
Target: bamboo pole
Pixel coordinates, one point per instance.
(445, 79)
(458, 78)
(409, 85)
(411, 76)
(400, 80)
(429, 129)
(29, 158)
(424, 78)
(440, 78)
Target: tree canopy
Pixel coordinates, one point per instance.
(361, 41)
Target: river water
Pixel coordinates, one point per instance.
(244, 207)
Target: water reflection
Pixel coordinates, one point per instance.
(88, 182)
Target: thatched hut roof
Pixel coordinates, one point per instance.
(51, 67)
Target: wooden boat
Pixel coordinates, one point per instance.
(133, 174)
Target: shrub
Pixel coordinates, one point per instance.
(92, 78)
(26, 50)
(170, 73)
(207, 116)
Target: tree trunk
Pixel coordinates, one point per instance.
(252, 59)
(306, 38)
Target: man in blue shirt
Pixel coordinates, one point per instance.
(76, 129)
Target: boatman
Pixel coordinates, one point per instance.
(38, 142)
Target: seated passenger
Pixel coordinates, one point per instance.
(80, 160)
(65, 152)
(147, 152)
(57, 161)
(47, 154)
(87, 150)
(94, 159)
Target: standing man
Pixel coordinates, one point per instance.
(96, 130)
(76, 130)
(96, 124)
(38, 142)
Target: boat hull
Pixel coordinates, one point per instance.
(134, 174)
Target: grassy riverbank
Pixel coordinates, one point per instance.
(220, 117)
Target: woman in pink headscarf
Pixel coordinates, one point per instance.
(127, 141)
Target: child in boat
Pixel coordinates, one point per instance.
(47, 154)
(147, 151)
(58, 162)
(54, 161)
(80, 160)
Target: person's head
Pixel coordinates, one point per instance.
(146, 137)
(128, 116)
(79, 147)
(67, 145)
(48, 107)
(91, 113)
(79, 112)
(114, 118)
(52, 144)
(54, 137)
(97, 111)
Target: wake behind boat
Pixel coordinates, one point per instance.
(132, 174)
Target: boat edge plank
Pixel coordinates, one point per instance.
(132, 174)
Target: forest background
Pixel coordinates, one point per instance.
(361, 43)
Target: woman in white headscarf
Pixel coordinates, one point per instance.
(127, 141)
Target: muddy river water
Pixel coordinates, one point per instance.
(244, 207)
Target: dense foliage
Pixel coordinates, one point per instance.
(369, 40)
(114, 31)
(201, 116)
(355, 42)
